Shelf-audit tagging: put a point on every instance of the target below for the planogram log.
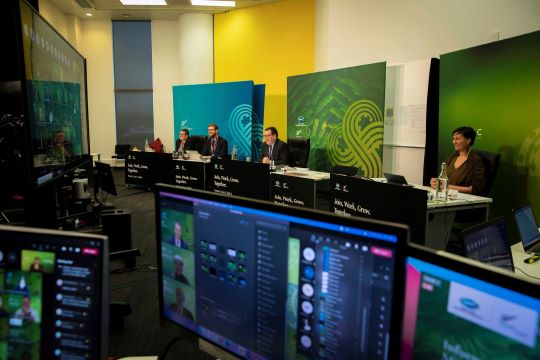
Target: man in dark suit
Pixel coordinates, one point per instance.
(176, 238)
(215, 145)
(274, 149)
(184, 142)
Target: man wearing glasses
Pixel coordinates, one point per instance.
(274, 149)
(184, 143)
(215, 146)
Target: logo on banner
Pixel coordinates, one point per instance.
(358, 140)
(241, 127)
(529, 154)
(277, 184)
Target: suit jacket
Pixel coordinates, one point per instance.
(222, 148)
(187, 146)
(280, 152)
(183, 243)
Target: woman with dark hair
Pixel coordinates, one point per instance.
(464, 168)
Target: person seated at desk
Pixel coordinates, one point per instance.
(273, 148)
(215, 145)
(464, 168)
(184, 142)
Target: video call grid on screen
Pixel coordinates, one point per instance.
(51, 297)
(482, 320)
(269, 285)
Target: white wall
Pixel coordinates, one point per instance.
(97, 48)
(165, 74)
(356, 32)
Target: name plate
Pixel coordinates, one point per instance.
(240, 178)
(292, 190)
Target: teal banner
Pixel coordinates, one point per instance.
(229, 105)
(495, 88)
(341, 112)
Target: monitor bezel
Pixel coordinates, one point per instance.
(104, 321)
(533, 243)
(487, 224)
(402, 232)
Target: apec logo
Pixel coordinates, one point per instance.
(469, 303)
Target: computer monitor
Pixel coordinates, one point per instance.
(267, 281)
(527, 228)
(53, 294)
(488, 243)
(457, 308)
(103, 179)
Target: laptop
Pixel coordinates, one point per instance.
(395, 179)
(192, 154)
(488, 243)
(527, 228)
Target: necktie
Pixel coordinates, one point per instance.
(270, 152)
(213, 146)
(182, 146)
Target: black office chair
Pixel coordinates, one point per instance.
(198, 142)
(491, 166)
(121, 151)
(298, 152)
(344, 170)
(466, 218)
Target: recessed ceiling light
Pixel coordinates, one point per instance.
(213, 3)
(125, 15)
(143, 2)
(88, 14)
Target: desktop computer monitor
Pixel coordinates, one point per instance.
(104, 178)
(527, 228)
(53, 294)
(267, 281)
(488, 243)
(456, 308)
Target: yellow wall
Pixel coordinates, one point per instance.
(266, 44)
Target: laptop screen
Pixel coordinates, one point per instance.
(489, 244)
(454, 310)
(526, 223)
(264, 281)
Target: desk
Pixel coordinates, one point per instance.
(297, 187)
(190, 173)
(240, 178)
(440, 215)
(528, 271)
(147, 168)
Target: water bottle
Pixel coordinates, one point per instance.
(234, 152)
(441, 188)
(146, 146)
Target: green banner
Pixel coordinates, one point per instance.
(341, 112)
(495, 88)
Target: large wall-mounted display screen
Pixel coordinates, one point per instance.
(55, 76)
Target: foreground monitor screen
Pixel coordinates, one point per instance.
(266, 281)
(457, 309)
(53, 295)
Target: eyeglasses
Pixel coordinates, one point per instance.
(270, 135)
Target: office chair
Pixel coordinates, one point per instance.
(491, 166)
(344, 170)
(298, 152)
(198, 142)
(121, 151)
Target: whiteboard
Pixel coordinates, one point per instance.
(406, 103)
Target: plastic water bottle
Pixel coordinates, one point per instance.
(441, 188)
(234, 152)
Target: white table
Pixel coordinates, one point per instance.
(522, 269)
(440, 214)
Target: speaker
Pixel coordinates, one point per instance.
(116, 224)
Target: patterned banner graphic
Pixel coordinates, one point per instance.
(340, 111)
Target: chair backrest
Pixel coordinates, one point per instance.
(198, 142)
(122, 150)
(344, 170)
(298, 152)
(491, 166)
